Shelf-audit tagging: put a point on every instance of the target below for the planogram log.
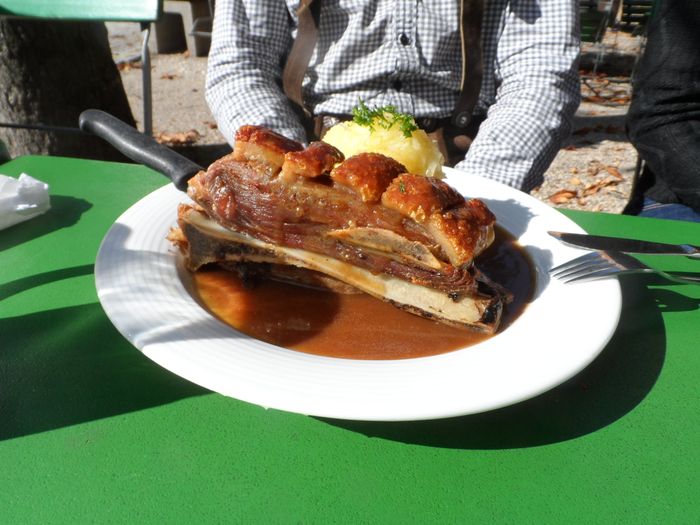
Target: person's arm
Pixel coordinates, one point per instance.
(250, 40)
(539, 92)
(663, 121)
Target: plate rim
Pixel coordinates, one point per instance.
(119, 245)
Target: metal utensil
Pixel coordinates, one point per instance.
(597, 265)
(615, 244)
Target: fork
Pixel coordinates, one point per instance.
(596, 265)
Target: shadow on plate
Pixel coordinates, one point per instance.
(511, 214)
(515, 219)
(610, 387)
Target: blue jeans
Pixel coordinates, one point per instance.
(663, 122)
(678, 212)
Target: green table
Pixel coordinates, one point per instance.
(93, 431)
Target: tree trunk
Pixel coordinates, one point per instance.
(50, 71)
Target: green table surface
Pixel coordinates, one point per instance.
(93, 431)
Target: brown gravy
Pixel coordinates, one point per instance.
(355, 326)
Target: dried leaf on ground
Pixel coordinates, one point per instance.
(180, 138)
(562, 196)
(595, 187)
(612, 170)
(125, 67)
(168, 76)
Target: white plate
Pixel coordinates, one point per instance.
(146, 296)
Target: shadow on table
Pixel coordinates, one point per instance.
(32, 281)
(65, 211)
(612, 386)
(51, 382)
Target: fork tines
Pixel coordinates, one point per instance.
(589, 266)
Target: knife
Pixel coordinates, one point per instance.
(598, 242)
(139, 147)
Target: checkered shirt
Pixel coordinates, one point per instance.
(407, 53)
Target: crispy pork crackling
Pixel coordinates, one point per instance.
(362, 223)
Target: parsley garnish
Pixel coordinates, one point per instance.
(384, 117)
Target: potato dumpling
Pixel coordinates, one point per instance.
(385, 132)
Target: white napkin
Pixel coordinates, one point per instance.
(22, 199)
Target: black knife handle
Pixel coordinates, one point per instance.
(139, 147)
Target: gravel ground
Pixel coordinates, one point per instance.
(593, 171)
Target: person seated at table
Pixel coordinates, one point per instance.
(524, 85)
(663, 122)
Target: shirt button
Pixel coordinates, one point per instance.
(428, 124)
(404, 39)
(462, 119)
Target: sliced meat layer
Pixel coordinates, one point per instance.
(203, 241)
(365, 212)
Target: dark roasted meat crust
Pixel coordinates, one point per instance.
(420, 197)
(369, 174)
(262, 147)
(245, 192)
(316, 160)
